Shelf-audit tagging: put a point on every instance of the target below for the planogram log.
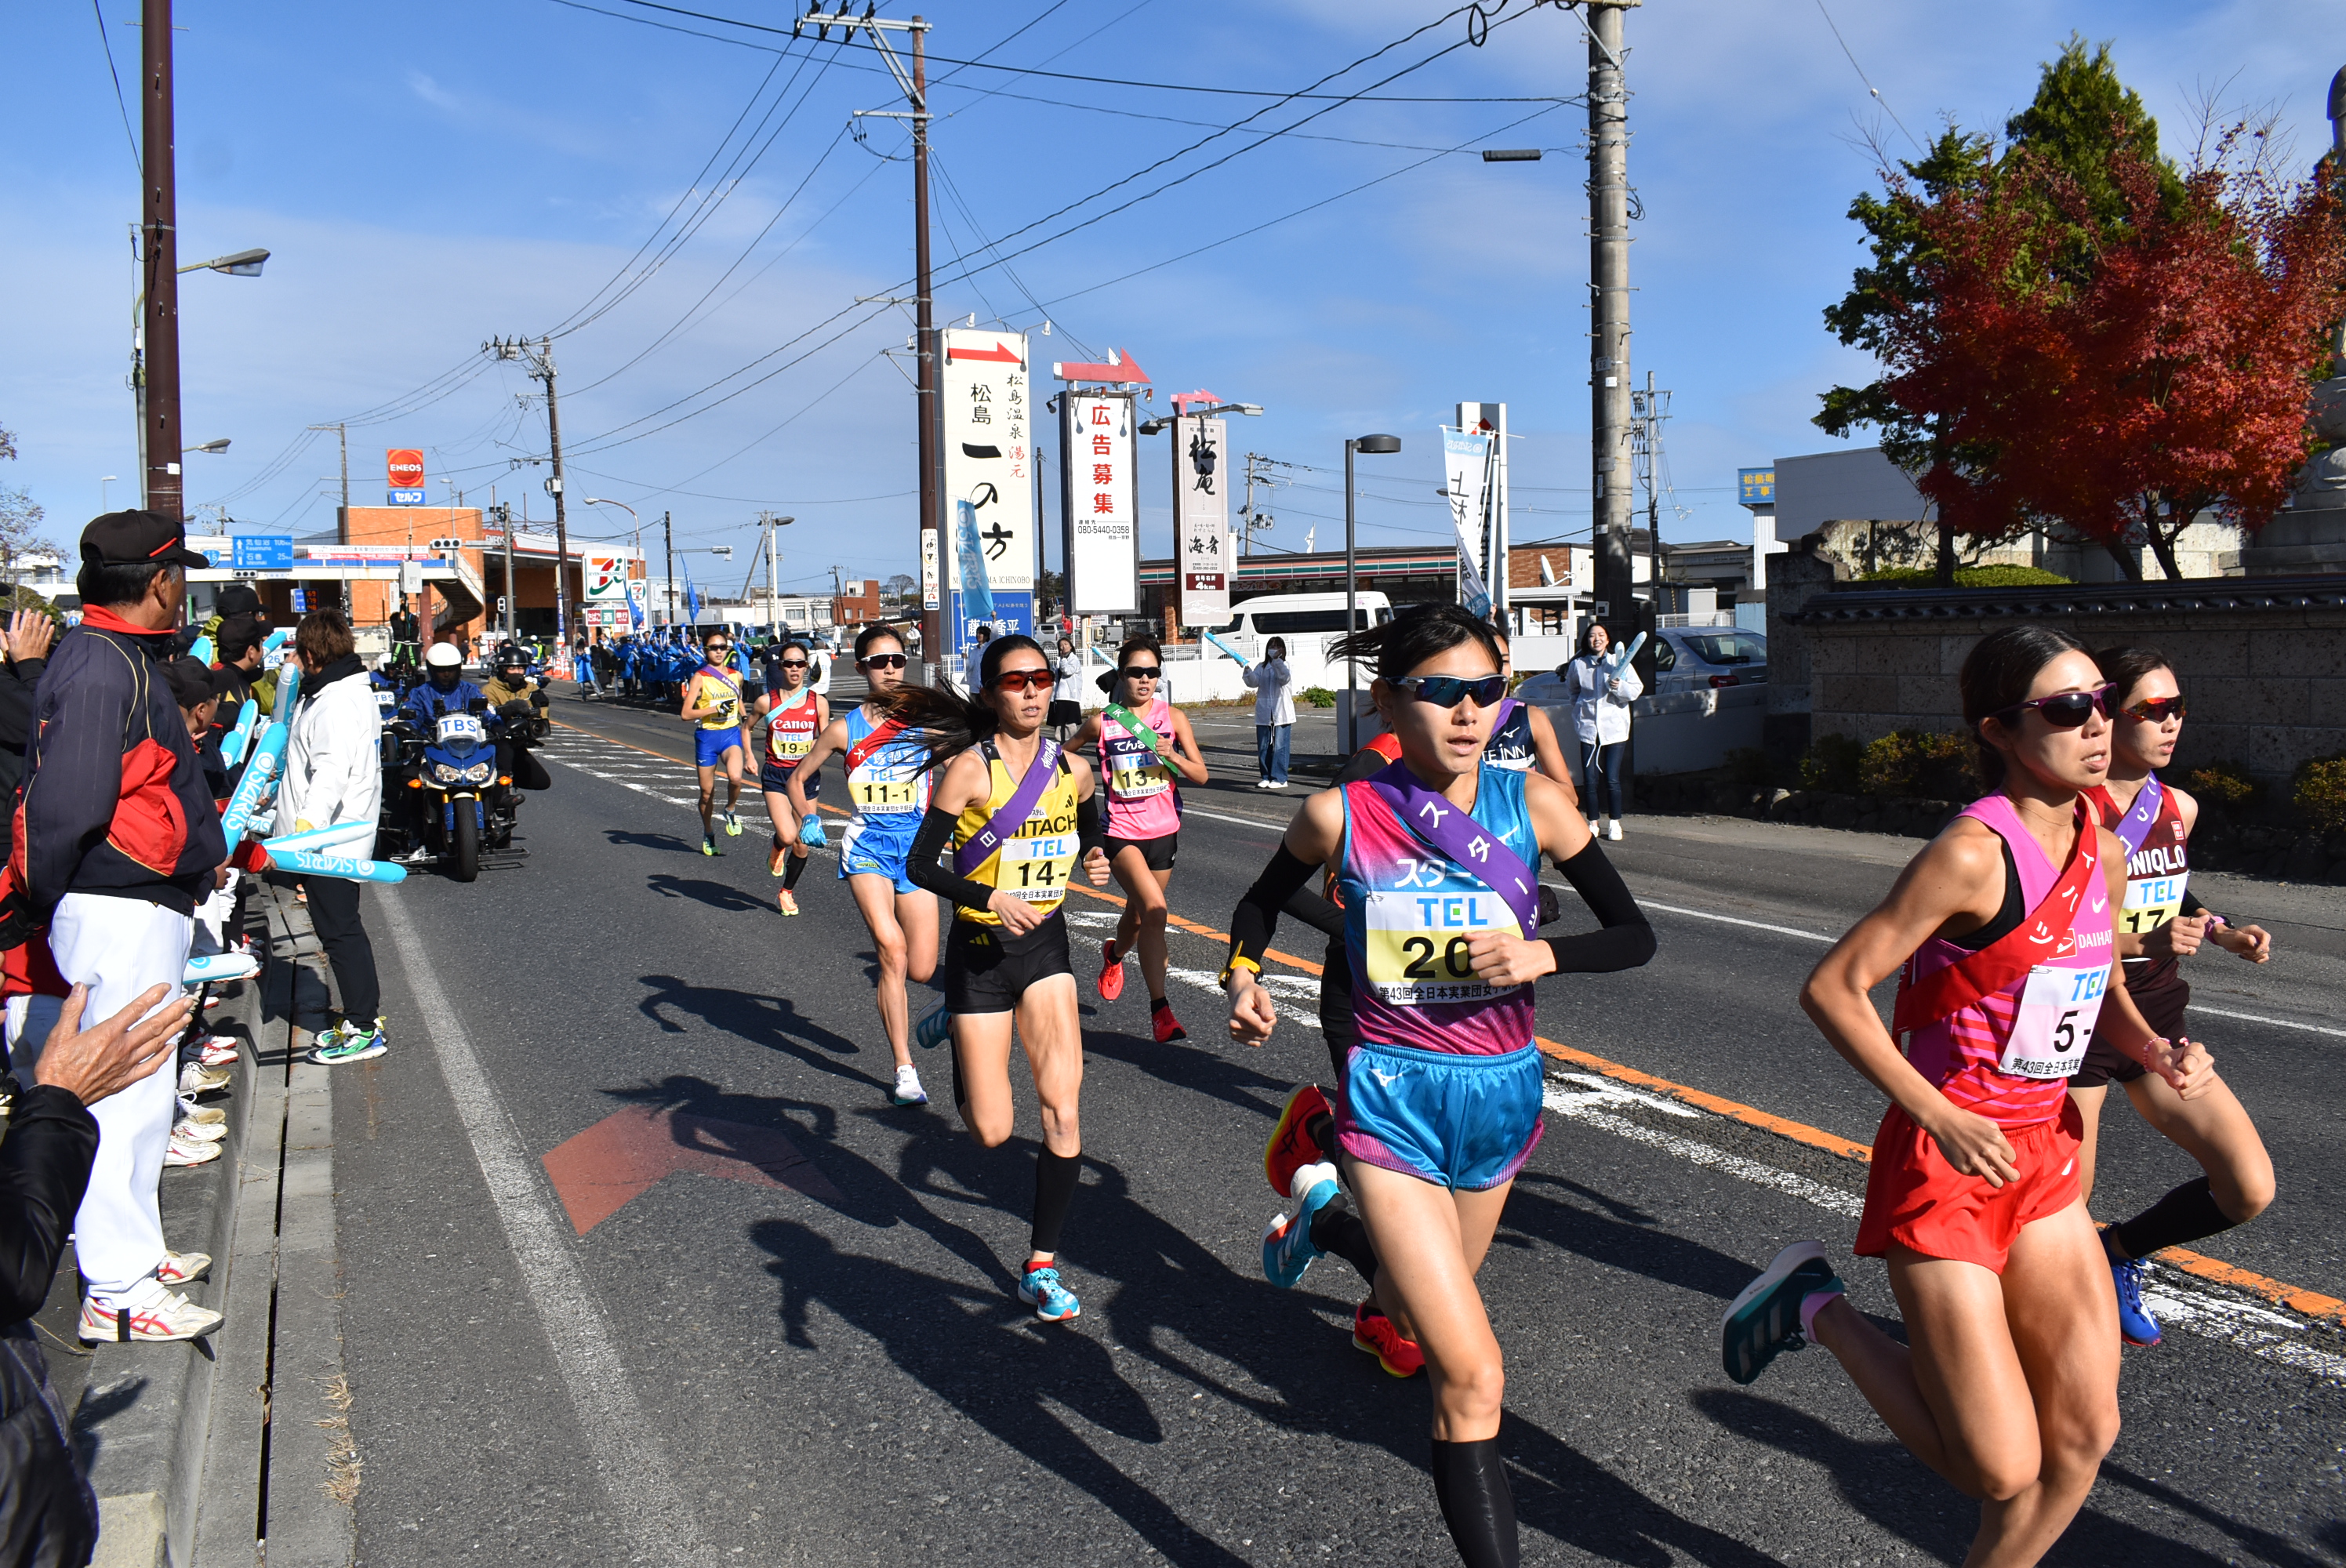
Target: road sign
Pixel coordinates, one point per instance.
(261, 552)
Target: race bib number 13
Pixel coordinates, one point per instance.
(2057, 1013)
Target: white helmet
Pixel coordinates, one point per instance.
(443, 655)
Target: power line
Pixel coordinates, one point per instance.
(107, 44)
(1862, 77)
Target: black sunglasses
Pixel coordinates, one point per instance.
(883, 661)
(793, 663)
(1449, 690)
(1140, 672)
(2065, 709)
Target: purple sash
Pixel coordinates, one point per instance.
(1004, 823)
(1451, 830)
(2136, 825)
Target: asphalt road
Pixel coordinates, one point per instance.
(800, 1346)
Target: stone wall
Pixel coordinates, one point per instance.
(2262, 661)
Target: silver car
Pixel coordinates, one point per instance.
(1686, 658)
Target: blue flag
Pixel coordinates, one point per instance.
(692, 600)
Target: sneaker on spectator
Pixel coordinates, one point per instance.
(194, 1078)
(349, 1043)
(218, 1051)
(163, 1317)
(201, 1132)
(201, 1115)
(185, 1151)
(183, 1267)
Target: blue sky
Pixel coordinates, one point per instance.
(432, 174)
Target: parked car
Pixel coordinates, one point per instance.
(1686, 658)
(1703, 703)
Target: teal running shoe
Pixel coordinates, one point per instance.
(930, 1032)
(1287, 1247)
(708, 844)
(347, 1043)
(1053, 1302)
(1765, 1320)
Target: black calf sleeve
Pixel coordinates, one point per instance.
(1322, 1130)
(1054, 1189)
(1472, 1485)
(2186, 1213)
(1337, 1230)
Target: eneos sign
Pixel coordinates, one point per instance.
(404, 467)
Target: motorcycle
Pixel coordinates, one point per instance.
(452, 804)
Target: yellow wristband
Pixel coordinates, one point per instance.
(1234, 964)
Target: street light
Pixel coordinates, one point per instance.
(106, 502)
(214, 447)
(243, 264)
(607, 501)
(1379, 444)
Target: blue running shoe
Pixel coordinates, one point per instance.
(2136, 1325)
(1053, 1302)
(1287, 1247)
(1765, 1320)
(930, 1032)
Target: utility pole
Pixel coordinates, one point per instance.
(342, 527)
(1651, 408)
(774, 577)
(914, 84)
(667, 551)
(513, 599)
(1608, 283)
(540, 359)
(158, 422)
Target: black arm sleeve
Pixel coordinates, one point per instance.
(1316, 912)
(1089, 834)
(927, 871)
(1625, 942)
(2192, 904)
(1257, 916)
(43, 1169)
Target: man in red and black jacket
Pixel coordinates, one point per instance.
(118, 837)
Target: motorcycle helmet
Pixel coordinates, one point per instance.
(444, 665)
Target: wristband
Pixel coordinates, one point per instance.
(2216, 922)
(1234, 964)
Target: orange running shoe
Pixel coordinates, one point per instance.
(1290, 1147)
(1374, 1333)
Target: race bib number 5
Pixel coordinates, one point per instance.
(1036, 869)
(2057, 1012)
(886, 797)
(1417, 944)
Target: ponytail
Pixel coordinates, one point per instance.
(944, 720)
(1413, 636)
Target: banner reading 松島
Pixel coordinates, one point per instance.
(988, 550)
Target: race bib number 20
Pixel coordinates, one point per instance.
(1417, 944)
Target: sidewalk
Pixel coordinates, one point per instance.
(193, 1458)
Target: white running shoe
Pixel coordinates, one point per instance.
(183, 1267)
(202, 1115)
(1596, 826)
(1263, 783)
(201, 1132)
(167, 1316)
(186, 1151)
(218, 1051)
(1613, 830)
(194, 1078)
(908, 1086)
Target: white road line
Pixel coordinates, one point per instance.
(611, 1423)
(1734, 919)
(1581, 1107)
(1276, 827)
(2260, 1018)
(2257, 1329)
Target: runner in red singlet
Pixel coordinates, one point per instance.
(794, 715)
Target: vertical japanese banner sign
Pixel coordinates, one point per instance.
(1201, 520)
(1466, 464)
(1099, 500)
(931, 589)
(989, 545)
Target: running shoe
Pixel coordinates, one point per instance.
(1613, 830)
(786, 901)
(1111, 980)
(708, 844)
(169, 1315)
(1040, 1288)
(199, 1131)
(1163, 1024)
(1290, 1147)
(732, 825)
(349, 1044)
(183, 1267)
(930, 1032)
(1374, 1333)
(194, 1078)
(218, 1051)
(186, 1151)
(1287, 1246)
(2136, 1325)
(908, 1086)
(1765, 1320)
(201, 1115)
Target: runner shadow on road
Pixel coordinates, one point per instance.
(647, 840)
(1196, 1068)
(774, 1022)
(716, 895)
(1623, 1237)
(1565, 1493)
(1889, 1486)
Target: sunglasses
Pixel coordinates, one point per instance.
(883, 661)
(2157, 712)
(720, 647)
(793, 664)
(2063, 710)
(1140, 672)
(1449, 690)
(1021, 680)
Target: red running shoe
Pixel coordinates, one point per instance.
(1168, 1028)
(1290, 1147)
(1374, 1333)
(1111, 980)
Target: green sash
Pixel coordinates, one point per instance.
(1131, 722)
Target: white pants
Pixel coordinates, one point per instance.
(118, 948)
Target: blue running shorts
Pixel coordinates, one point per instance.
(1463, 1122)
(709, 746)
(863, 852)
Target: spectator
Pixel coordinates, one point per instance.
(406, 637)
(30, 632)
(1067, 689)
(237, 646)
(121, 838)
(1600, 692)
(1274, 712)
(333, 773)
(48, 1511)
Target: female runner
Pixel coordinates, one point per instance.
(2004, 927)
(889, 791)
(712, 705)
(2163, 921)
(1144, 742)
(1440, 1103)
(794, 715)
(1017, 814)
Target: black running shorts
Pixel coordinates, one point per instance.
(774, 777)
(1157, 853)
(988, 969)
(2160, 997)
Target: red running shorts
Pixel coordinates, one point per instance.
(1916, 1198)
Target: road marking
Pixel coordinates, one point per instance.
(1583, 1108)
(1276, 827)
(2260, 1018)
(611, 1422)
(1732, 919)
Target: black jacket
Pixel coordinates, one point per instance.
(48, 1514)
(18, 682)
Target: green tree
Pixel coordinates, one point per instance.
(20, 518)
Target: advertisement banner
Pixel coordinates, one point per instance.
(605, 576)
(929, 588)
(1201, 520)
(1466, 475)
(989, 486)
(404, 468)
(1099, 503)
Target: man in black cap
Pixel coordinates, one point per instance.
(119, 840)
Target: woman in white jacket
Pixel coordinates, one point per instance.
(1274, 712)
(333, 773)
(1600, 693)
